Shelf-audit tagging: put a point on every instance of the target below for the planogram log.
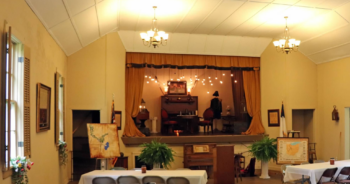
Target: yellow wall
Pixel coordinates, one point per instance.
(333, 89)
(289, 78)
(96, 73)
(46, 57)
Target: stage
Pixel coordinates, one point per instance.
(217, 137)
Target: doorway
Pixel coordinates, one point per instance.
(303, 121)
(82, 163)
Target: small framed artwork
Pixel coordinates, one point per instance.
(43, 107)
(292, 150)
(200, 148)
(177, 88)
(273, 117)
(118, 119)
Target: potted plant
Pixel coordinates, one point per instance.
(156, 154)
(264, 150)
(20, 166)
(62, 150)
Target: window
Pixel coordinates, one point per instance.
(59, 108)
(13, 108)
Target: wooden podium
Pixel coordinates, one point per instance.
(218, 161)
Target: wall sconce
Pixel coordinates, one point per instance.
(143, 105)
(335, 114)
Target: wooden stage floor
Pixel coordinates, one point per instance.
(217, 137)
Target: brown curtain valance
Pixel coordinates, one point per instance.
(182, 61)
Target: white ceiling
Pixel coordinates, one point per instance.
(216, 27)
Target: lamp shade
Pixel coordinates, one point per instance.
(143, 35)
(150, 33)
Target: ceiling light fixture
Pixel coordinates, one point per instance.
(286, 44)
(154, 37)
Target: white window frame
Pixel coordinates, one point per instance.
(16, 100)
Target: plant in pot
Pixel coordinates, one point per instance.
(264, 150)
(156, 154)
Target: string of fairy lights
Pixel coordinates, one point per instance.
(175, 74)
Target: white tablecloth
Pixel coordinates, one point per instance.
(314, 171)
(194, 176)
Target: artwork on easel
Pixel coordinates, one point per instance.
(103, 140)
(292, 150)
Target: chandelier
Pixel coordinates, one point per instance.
(286, 44)
(154, 37)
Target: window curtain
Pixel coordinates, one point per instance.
(181, 61)
(133, 94)
(238, 93)
(251, 83)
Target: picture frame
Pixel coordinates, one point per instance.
(200, 148)
(273, 117)
(118, 119)
(43, 108)
(292, 150)
(177, 88)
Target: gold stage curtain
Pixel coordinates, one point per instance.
(140, 60)
(133, 96)
(251, 83)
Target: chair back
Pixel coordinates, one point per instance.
(208, 114)
(156, 179)
(103, 180)
(128, 180)
(177, 180)
(344, 174)
(328, 175)
(164, 114)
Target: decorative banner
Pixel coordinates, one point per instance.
(103, 140)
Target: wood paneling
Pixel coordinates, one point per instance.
(225, 165)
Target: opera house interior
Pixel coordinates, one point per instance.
(174, 91)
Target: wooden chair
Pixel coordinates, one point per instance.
(208, 117)
(157, 179)
(128, 180)
(312, 152)
(103, 180)
(327, 176)
(177, 180)
(237, 166)
(166, 122)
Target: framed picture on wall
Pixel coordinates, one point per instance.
(118, 119)
(273, 117)
(292, 150)
(177, 88)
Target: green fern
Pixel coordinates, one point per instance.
(156, 153)
(265, 149)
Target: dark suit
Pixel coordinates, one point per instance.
(216, 105)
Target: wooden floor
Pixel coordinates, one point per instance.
(275, 179)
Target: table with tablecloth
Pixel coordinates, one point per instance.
(194, 176)
(314, 171)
